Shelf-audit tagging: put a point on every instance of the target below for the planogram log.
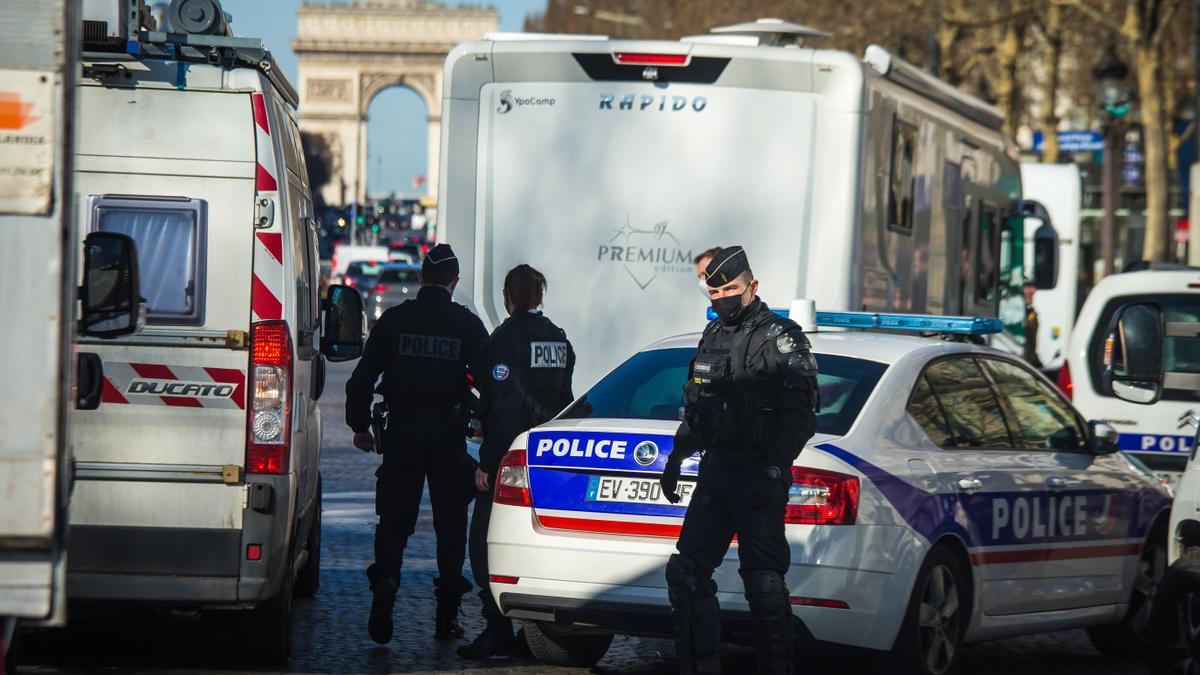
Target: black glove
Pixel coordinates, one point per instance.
(670, 477)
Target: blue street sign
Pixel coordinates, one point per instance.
(1080, 140)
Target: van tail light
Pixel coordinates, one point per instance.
(819, 497)
(268, 428)
(640, 59)
(512, 480)
(1064, 380)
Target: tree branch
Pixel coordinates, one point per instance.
(1164, 22)
(1094, 14)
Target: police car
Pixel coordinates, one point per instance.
(950, 495)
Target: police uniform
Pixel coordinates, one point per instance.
(526, 380)
(749, 406)
(425, 349)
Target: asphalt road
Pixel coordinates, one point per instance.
(330, 633)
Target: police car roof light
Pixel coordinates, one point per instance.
(958, 325)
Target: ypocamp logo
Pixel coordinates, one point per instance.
(645, 453)
(645, 253)
(508, 102)
(180, 388)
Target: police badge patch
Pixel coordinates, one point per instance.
(500, 372)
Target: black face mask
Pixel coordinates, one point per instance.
(729, 309)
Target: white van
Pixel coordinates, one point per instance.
(1056, 192)
(1151, 432)
(863, 183)
(197, 482)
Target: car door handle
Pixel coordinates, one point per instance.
(969, 484)
(1057, 482)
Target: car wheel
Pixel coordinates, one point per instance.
(931, 636)
(564, 649)
(1175, 621)
(309, 580)
(266, 635)
(1129, 640)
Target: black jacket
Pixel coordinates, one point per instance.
(525, 379)
(424, 348)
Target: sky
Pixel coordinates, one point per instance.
(396, 133)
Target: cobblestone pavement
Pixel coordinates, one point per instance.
(330, 630)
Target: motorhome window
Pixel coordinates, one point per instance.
(170, 236)
(901, 188)
(988, 257)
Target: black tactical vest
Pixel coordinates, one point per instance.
(547, 374)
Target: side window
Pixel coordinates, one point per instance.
(301, 261)
(1045, 419)
(900, 187)
(1180, 354)
(987, 272)
(927, 411)
(171, 236)
(314, 283)
(972, 410)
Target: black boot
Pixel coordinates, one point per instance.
(696, 617)
(768, 599)
(383, 590)
(449, 600)
(495, 640)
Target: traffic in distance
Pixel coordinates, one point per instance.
(896, 421)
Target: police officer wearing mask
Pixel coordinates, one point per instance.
(526, 380)
(749, 407)
(425, 349)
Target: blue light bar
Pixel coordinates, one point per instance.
(960, 325)
(711, 315)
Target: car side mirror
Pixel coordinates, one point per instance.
(1102, 438)
(1133, 354)
(342, 336)
(111, 295)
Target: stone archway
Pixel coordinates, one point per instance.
(348, 53)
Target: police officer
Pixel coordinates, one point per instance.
(526, 380)
(425, 349)
(749, 406)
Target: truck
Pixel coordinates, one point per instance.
(44, 310)
(861, 183)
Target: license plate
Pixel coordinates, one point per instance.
(634, 491)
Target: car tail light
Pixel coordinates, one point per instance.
(268, 428)
(1064, 378)
(349, 281)
(819, 497)
(512, 480)
(381, 288)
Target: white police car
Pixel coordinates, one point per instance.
(951, 495)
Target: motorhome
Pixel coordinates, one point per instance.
(608, 164)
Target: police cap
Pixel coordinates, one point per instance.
(726, 266)
(440, 263)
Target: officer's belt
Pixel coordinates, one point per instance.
(400, 406)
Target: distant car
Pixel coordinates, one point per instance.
(345, 254)
(362, 275)
(395, 283)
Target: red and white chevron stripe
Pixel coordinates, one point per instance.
(179, 386)
(266, 299)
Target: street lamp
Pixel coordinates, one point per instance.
(1113, 94)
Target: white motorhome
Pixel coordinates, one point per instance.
(607, 165)
(1054, 191)
(40, 302)
(197, 482)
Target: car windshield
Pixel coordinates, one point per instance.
(398, 276)
(650, 386)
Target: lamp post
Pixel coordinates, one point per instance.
(1110, 73)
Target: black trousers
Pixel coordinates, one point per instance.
(418, 450)
(741, 500)
(479, 562)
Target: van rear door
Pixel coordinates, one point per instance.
(160, 464)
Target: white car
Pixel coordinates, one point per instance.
(951, 495)
(1151, 432)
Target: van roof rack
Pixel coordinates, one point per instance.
(216, 50)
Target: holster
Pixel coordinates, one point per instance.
(379, 416)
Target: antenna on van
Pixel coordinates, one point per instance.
(773, 32)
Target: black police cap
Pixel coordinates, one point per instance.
(726, 266)
(440, 261)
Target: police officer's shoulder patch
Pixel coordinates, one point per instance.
(785, 343)
(500, 372)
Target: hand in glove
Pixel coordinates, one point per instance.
(670, 477)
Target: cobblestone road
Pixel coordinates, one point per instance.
(330, 630)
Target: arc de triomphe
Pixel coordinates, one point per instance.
(348, 53)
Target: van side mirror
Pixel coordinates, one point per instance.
(1102, 438)
(342, 334)
(1133, 354)
(111, 290)
(1044, 272)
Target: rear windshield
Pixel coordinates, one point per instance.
(364, 269)
(394, 276)
(650, 386)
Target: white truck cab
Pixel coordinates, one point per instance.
(1150, 432)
